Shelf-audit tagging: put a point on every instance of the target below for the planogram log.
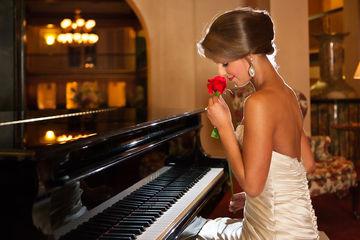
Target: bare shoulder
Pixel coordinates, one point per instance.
(262, 101)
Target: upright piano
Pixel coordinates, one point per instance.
(91, 175)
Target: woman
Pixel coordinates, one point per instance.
(271, 161)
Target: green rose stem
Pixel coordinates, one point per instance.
(231, 179)
(215, 134)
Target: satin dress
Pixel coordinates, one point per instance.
(282, 211)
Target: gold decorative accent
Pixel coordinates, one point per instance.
(56, 116)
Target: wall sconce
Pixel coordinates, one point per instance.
(50, 35)
(50, 136)
(357, 72)
(50, 39)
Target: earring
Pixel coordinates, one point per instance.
(251, 70)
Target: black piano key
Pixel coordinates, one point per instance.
(166, 205)
(115, 238)
(153, 207)
(165, 201)
(125, 229)
(104, 219)
(113, 215)
(126, 204)
(115, 211)
(153, 187)
(170, 194)
(132, 201)
(115, 235)
(147, 213)
(134, 223)
(124, 208)
(145, 193)
(134, 227)
(148, 219)
(163, 184)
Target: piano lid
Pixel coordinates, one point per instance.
(99, 140)
(39, 129)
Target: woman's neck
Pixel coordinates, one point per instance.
(265, 73)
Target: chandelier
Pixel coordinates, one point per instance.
(77, 31)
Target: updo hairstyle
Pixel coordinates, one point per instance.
(235, 34)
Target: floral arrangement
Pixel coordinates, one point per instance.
(87, 95)
(216, 86)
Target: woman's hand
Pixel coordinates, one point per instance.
(218, 113)
(237, 202)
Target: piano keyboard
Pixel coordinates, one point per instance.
(150, 211)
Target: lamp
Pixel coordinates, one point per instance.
(49, 34)
(77, 31)
(357, 72)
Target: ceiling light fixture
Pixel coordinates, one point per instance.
(77, 31)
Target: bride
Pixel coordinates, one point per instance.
(269, 154)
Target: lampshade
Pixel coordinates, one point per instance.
(357, 72)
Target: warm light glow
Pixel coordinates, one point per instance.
(89, 65)
(74, 26)
(66, 138)
(116, 94)
(71, 88)
(80, 22)
(85, 37)
(93, 38)
(65, 23)
(77, 31)
(77, 37)
(357, 72)
(49, 136)
(50, 39)
(46, 95)
(90, 24)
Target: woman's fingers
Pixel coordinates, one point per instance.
(237, 202)
(210, 102)
(213, 100)
(238, 196)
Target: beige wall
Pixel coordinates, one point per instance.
(177, 75)
(292, 40)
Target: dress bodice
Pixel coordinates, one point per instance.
(283, 210)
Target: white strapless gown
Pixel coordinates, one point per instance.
(282, 211)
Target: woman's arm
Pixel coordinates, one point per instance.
(251, 168)
(306, 154)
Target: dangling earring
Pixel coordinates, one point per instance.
(251, 70)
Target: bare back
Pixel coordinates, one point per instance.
(287, 119)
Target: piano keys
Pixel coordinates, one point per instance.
(147, 210)
(146, 181)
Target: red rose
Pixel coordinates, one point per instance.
(216, 85)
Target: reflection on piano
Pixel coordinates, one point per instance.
(146, 181)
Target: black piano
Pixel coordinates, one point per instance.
(94, 175)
